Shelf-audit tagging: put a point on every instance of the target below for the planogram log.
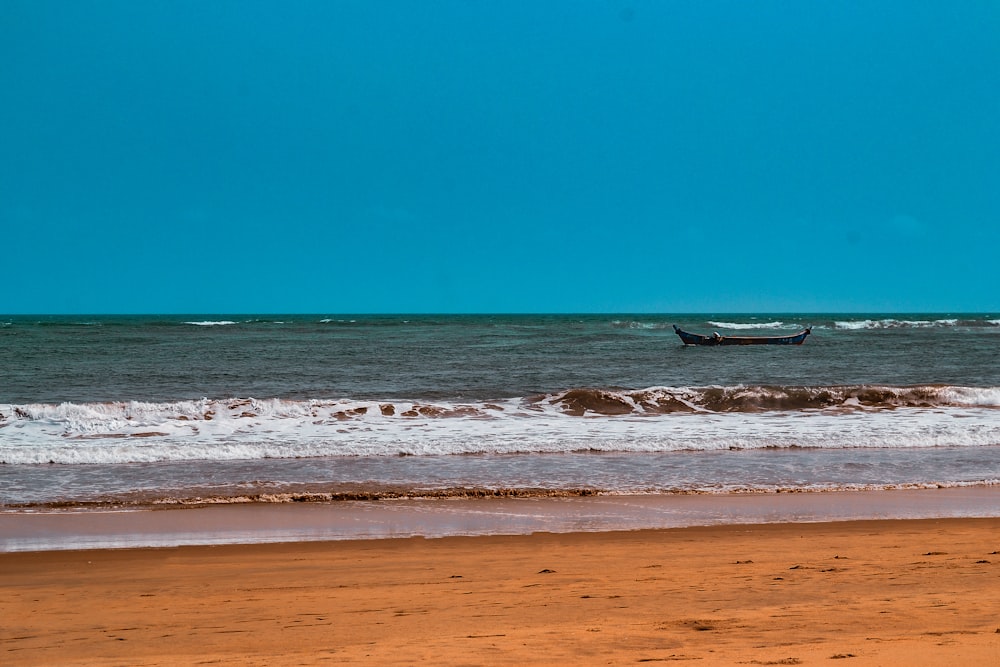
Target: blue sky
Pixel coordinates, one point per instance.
(477, 156)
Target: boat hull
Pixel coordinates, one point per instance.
(715, 339)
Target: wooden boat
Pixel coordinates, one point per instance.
(717, 339)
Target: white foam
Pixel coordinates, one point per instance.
(972, 396)
(856, 324)
(254, 429)
(890, 323)
(745, 325)
(211, 323)
(633, 324)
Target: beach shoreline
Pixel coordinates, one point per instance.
(255, 522)
(918, 592)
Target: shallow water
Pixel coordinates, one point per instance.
(255, 523)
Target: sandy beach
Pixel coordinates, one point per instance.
(913, 592)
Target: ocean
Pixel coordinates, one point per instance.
(140, 411)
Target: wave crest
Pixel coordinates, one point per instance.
(664, 400)
(655, 419)
(578, 401)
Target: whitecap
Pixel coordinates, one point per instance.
(743, 325)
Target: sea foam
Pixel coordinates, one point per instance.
(656, 419)
(752, 325)
(890, 323)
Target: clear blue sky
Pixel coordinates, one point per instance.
(499, 156)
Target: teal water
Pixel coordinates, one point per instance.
(166, 409)
(87, 359)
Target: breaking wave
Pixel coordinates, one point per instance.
(582, 401)
(655, 419)
(661, 400)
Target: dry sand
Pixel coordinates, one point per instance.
(917, 592)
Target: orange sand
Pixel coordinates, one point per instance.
(919, 592)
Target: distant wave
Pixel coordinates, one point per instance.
(211, 323)
(635, 324)
(897, 324)
(750, 325)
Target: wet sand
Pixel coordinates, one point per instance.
(250, 523)
(890, 592)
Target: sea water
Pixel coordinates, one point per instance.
(153, 410)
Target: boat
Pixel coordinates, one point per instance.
(718, 339)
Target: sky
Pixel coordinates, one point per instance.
(508, 156)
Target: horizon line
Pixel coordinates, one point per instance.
(494, 313)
